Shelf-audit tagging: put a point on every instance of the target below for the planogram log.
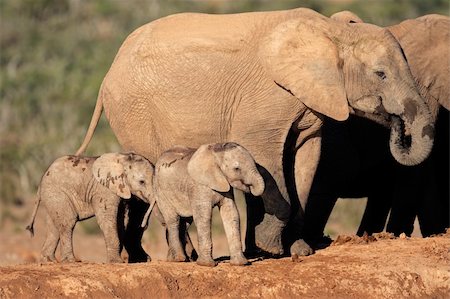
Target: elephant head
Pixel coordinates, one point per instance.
(222, 165)
(430, 65)
(125, 174)
(330, 65)
(430, 72)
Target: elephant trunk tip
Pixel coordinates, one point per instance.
(258, 186)
(411, 144)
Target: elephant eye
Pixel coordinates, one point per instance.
(381, 74)
(236, 168)
(142, 182)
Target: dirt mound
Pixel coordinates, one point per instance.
(365, 239)
(388, 268)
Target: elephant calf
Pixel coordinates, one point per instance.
(191, 182)
(76, 188)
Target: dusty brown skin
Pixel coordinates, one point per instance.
(263, 80)
(77, 188)
(191, 182)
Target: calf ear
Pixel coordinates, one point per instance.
(109, 171)
(204, 169)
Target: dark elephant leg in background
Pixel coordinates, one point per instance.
(133, 231)
(255, 214)
(318, 211)
(430, 213)
(338, 168)
(376, 213)
(404, 204)
(189, 249)
(380, 186)
(441, 168)
(434, 211)
(267, 216)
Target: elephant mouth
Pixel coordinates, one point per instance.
(238, 184)
(378, 117)
(405, 138)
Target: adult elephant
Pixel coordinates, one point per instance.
(263, 80)
(354, 162)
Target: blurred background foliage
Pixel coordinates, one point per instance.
(55, 53)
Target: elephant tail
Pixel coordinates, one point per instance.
(94, 121)
(30, 227)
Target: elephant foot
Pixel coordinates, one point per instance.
(69, 259)
(208, 262)
(268, 234)
(239, 260)
(175, 257)
(192, 255)
(300, 248)
(319, 242)
(114, 259)
(47, 259)
(139, 257)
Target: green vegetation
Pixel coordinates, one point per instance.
(55, 53)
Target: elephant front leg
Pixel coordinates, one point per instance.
(176, 251)
(202, 217)
(305, 166)
(107, 220)
(66, 235)
(65, 219)
(230, 219)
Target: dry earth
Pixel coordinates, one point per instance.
(369, 267)
(351, 268)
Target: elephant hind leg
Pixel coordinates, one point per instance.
(231, 224)
(191, 253)
(66, 235)
(107, 220)
(51, 242)
(66, 223)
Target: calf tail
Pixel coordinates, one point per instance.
(30, 226)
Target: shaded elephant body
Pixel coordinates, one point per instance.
(76, 188)
(191, 182)
(264, 80)
(421, 190)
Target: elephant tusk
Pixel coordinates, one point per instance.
(147, 214)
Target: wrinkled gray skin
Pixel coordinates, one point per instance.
(191, 182)
(264, 80)
(76, 188)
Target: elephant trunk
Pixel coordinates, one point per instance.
(256, 183)
(411, 138)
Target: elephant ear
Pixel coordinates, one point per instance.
(301, 59)
(203, 168)
(109, 171)
(427, 65)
